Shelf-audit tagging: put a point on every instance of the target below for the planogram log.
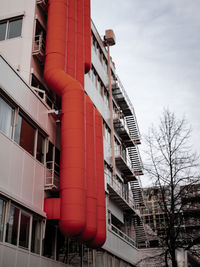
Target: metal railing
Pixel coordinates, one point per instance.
(123, 153)
(128, 100)
(117, 116)
(39, 45)
(43, 95)
(119, 189)
(52, 174)
(123, 235)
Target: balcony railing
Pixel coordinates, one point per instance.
(52, 175)
(126, 196)
(122, 129)
(39, 47)
(122, 235)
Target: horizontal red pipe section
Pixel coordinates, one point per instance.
(91, 193)
(100, 237)
(52, 208)
(72, 167)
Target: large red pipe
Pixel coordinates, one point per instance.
(100, 236)
(72, 167)
(68, 56)
(91, 193)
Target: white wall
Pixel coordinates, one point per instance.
(119, 247)
(23, 96)
(12, 256)
(18, 50)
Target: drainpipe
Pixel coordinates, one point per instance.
(109, 41)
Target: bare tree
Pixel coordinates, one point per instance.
(172, 165)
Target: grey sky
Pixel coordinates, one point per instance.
(157, 56)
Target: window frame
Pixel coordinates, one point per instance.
(7, 21)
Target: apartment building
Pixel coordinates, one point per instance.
(32, 232)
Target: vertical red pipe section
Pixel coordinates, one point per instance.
(87, 36)
(72, 167)
(100, 236)
(91, 193)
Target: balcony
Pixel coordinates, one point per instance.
(120, 244)
(52, 176)
(39, 48)
(118, 194)
(122, 130)
(123, 163)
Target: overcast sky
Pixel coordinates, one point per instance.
(157, 56)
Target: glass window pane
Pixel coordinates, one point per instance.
(24, 230)
(14, 28)
(36, 235)
(2, 217)
(6, 117)
(25, 135)
(49, 241)
(18, 130)
(3, 31)
(12, 226)
(40, 148)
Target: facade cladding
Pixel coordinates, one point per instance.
(70, 166)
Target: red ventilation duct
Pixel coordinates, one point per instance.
(68, 56)
(91, 193)
(100, 237)
(72, 167)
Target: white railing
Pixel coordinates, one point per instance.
(119, 151)
(128, 101)
(123, 235)
(117, 116)
(43, 95)
(119, 189)
(39, 45)
(52, 174)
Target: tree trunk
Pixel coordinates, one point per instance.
(173, 257)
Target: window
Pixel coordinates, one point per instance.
(24, 230)
(6, 118)
(25, 135)
(2, 217)
(36, 235)
(40, 148)
(49, 241)
(12, 226)
(10, 28)
(18, 228)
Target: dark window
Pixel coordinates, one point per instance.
(36, 235)
(6, 118)
(3, 31)
(12, 226)
(2, 217)
(40, 148)
(25, 135)
(24, 230)
(10, 28)
(14, 28)
(49, 241)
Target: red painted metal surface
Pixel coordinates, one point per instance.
(100, 237)
(87, 35)
(81, 206)
(52, 208)
(72, 167)
(91, 193)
